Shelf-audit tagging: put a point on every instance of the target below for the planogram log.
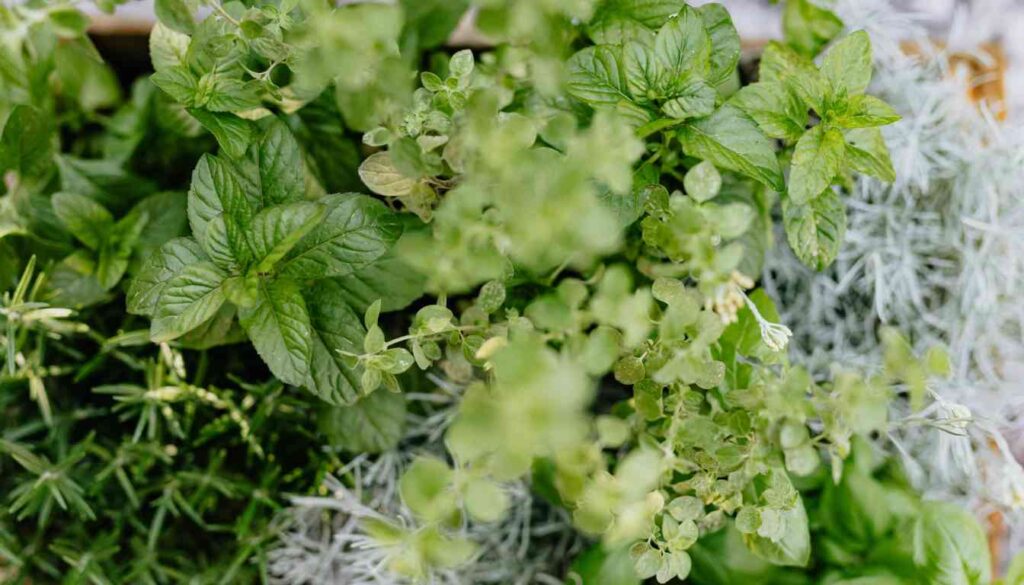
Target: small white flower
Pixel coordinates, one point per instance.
(775, 335)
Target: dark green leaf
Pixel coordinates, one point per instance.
(162, 266)
(276, 230)
(335, 326)
(374, 424)
(87, 220)
(279, 328)
(188, 299)
(731, 140)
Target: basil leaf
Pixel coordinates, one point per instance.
(88, 221)
(818, 158)
(188, 299)
(373, 425)
(696, 100)
(866, 152)
(847, 64)
(597, 76)
(682, 46)
(162, 266)
(815, 229)
(731, 140)
(276, 230)
(949, 546)
(356, 231)
(776, 109)
(278, 326)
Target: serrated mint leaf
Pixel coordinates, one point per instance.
(374, 424)
(218, 93)
(864, 111)
(847, 64)
(731, 140)
(164, 264)
(335, 327)
(784, 65)
(808, 27)
(696, 100)
(88, 221)
(233, 134)
(279, 328)
(382, 177)
(867, 153)
(27, 144)
(276, 230)
(818, 158)
(280, 166)
(188, 299)
(175, 14)
(356, 231)
(682, 46)
(167, 47)
(221, 329)
(776, 109)
(388, 279)
(725, 42)
(597, 76)
(219, 211)
(168, 218)
(815, 229)
(179, 82)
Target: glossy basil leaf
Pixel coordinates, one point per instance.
(188, 299)
(815, 229)
(819, 157)
(725, 42)
(279, 328)
(731, 140)
(597, 76)
(374, 424)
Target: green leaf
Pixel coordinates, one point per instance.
(597, 566)
(280, 166)
(725, 42)
(864, 111)
(276, 230)
(218, 93)
(27, 144)
(629, 206)
(818, 158)
(88, 221)
(815, 229)
(784, 65)
(167, 47)
(731, 140)
(233, 134)
(166, 263)
(618, 21)
(426, 488)
(702, 181)
(175, 14)
(356, 231)
(597, 76)
(696, 100)
(178, 82)
(807, 27)
(375, 424)
(794, 548)
(381, 176)
(168, 218)
(866, 152)
(389, 279)
(682, 46)
(219, 212)
(950, 547)
(847, 64)
(68, 21)
(335, 326)
(279, 328)
(188, 299)
(776, 109)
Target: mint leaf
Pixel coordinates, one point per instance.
(233, 134)
(682, 46)
(731, 140)
(807, 27)
(167, 47)
(725, 42)
(276, 230)
(784, 65)
(644, 77)
(597, 77)
(866, 153)
(219, 211)
(815, 229)
(818, 158)
(776, 109)
(178, 82)
(334, 326)
(374, 424)
(696, 100)
(163, 265)
(175, 14)
(863, 111)
(356, 231)
(847, 64)
(279, 328)
(388, 279)
(218, 93)
(188, 299)
(280, 166)
(88, 221)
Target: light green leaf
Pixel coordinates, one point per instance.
(381, 176)
(784, 65)
(818, 158)
(731, 140)
(279, 328)
(87, 220)
(864, 111)
(950, 547)
(188, 299)
(426, 488)
(335, 326)
(276, 230)
(618, 21)
(815, 229)
(643, 76)
(682, 46)
(374, 424)
(597, 76)
(866, 152)
(696, 100)
(793, 549)
(356, 231)
(166, 263)
(775, 108)
(702, 181)
(807, 27)
(725, 42)
(167, 47)
(175, 14)
(233, 134)
(178, 82)
(847, 64)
